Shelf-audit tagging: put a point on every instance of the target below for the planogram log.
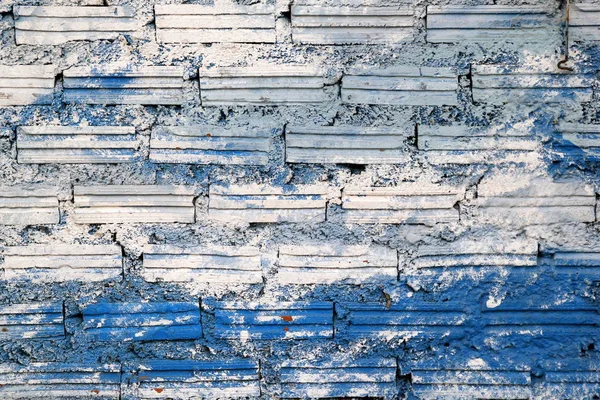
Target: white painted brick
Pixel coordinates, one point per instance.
(316, 24)
(55, 25)
(584, 22)
(134, 204)
(401, 86)
(408, 203)
(483, 252)
(346, 144)
(534, 201)
(111, 84)
(76, 144)
(498, 84)
(30, 321)
(62, 262)
(191, 23)
(327, 264)
(31, 205)
(204, 144)
(268, 204)
(489, 24)
(266, 84)
(469, 145)
(212, 265)
(22, 85)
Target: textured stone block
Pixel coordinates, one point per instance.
(534, 201)
(191, 379)
(111, 84)
(213, 265)
(125, 322)
(195, 23)
(489, 24)
(502, 84)
(574, 378)
(331, 264)
(116, 204)
(28, 205)
(577, 141)
(268, 204)
(408, 319)
(267, 84)
(280, 320)
(338, 378)
(54, 380)
(346, 144)
(469, 145)
(62, 262)
(408, 203)
(318, 24)
(55, 25)
(401, 86)
(22, 85)
(210, 145)
(31, 321)
(584, 22)
(77, 144)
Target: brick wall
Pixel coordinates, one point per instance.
(312, 200)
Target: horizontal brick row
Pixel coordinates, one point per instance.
(311, 23)
(537, 201)
(307, 263)
(410, 318)
(335, 377)
(292, 84)
(344, 144)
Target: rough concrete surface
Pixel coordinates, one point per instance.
(496, 234)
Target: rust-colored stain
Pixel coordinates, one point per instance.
(159, 390)
(4, 329)
(366, 261)
(142, 378)
(285, 328)
(95, 391)
(287, 318)
(208, 134)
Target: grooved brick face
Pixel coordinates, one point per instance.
(324, 199)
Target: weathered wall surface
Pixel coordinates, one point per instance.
(320, 199)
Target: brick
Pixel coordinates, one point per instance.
(212, 265)
(470, 378)
(409, 319)
(268, 204)
(77, 145)
(584, 22)
(111, 84)
(339, 378)
(346, 144)
(54, 380)
(574, 257)
(268, 85)
(401, 86)
(55, 25)
(533, 317)
(187, 379)
(489, 24)
(316, 24)
(62, 262)
(336, 264)
(474, 145)
(572, 378)
(408, 203)
(191, 23)
(502, 84)
(577, 141)
(31, 321)
(280, 320)
(535, 201)
(126, 322)
(28, 205)
(482, 252)
(116, 204)
(22, 85)
(210, 145)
